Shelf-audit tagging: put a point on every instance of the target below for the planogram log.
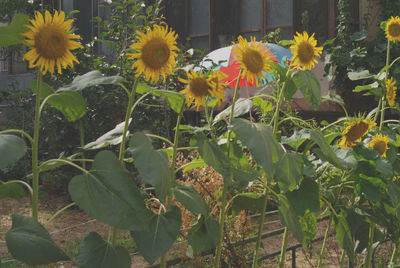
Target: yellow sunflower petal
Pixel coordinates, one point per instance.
(305, 50)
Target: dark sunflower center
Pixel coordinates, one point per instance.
(394, 30)
(357, 131)
(380, 147)
(51, 42)
(253, 61)
(198, 87)
(155, 54)
(305, 52)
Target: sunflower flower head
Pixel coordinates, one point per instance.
(392, 29)
(305, 50)
(199, 86)
(156, 53)
(380, 144)
(355, 131)
(216, 78)
(51, 42)
(253, 58)
(391, 91)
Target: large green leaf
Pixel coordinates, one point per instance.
(326, 150)
(344, 236)
(97, 253)
(290, 220)
(163, 230)
(393, 191)
(242, 106)
(309, 86)
(250, 201)
(152, 165)
(90, 79)
(30, 243)
(174, 99)
(305, 198)
(260, 141)
(204, 234)
(45, 89)
(109, 194)
(12, 148)
(11, 189)
(297, 139)
(11, 34)
(364, 74)
(289, 171)
(190, 199)
(70, 103)
(112, 137)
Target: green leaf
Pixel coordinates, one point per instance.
(197, 163)
(333, 97)
(384, 167)
(289, 219)
(308, 223)
(45, 89)
(12, 148)
(163, 230)
(11, 189)
(305, 198)
(366, 87)
(260, 141)
(152, 165)
(30, 243)
(263, 105)
(204, 234)
(297, 139)
(250, 201)
(309, 86)
(90, 79)
(70, 103)
(393, 191)
(11, 34)
(97, 253)
(142, 88)
(174, 99)
(112, 137)
(359, 36)
(326, 150)
(109, 194)
(289, 171)
(344, 236)
(190, 199)
(359, 75)
(242, 107)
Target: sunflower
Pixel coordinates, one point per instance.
(157, 52)
(216, 78)
(380, 144)
(393, 29)
(305, 50)
(253, 58)
(52, 41)
(198, 87)
(355, 131)
(391, 91)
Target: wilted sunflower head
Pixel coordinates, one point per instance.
(380, 144)
(157, 52)
(51, 42)
(198, 87)
(305, 50)
(254, 59)
(393, 29)
(355, 131)
(391, 91)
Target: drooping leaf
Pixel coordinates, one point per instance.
(393, 191)
(359, 36)
(151, 164)
(45, 89)
(344, 236)
(163, 230)
(90, 79)
(70, 103)
(30, 243)
(190, 199)
(359, 75)
(242, 106)
(197, 163)
(112, 137)
(108, 193)
(11, 189)
(12, 148)
(97, 253)
(372, 187)
(309, 86)
(289, 219)
(305, 198)
(11, 34)
(326, 150)
(174, 99)
(297, 139)
(204, 234)
(308, 223)
(250, 201)
(264, 105)
(260, 141)
(289, 171)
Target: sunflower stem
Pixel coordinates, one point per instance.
(82, 140)
(394, 254)
(386, 78)
(278, 104)
(321, 255)
(35, 150)
(260, 227)
(208, 120)
(128, 114)
(218, 250)
(283, 249)
(370, 244)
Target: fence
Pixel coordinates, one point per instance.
(3, 60)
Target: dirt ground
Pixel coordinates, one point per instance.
(71, 226)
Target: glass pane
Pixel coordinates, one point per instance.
(251, 14)
(279, 12)
(199, 19)
(200, 43)
(68, 6)
(248, 36)
(313, 18)
(284, 34)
